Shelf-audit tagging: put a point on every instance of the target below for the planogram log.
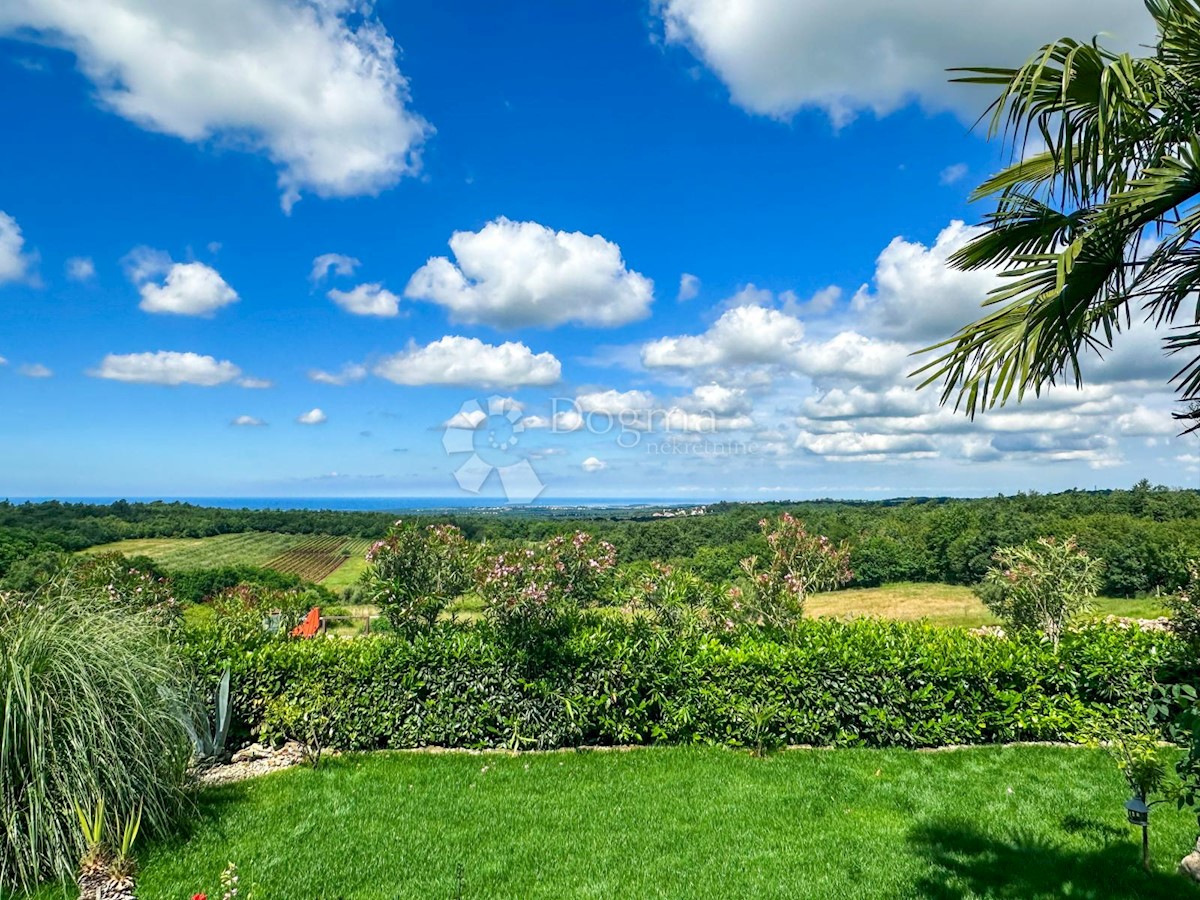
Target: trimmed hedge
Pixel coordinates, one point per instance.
(866, 683)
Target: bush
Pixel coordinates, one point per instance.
(534, 595)
(415, 572)
(614, 681)
(94, 698)
(1041, 586)
(797, 563)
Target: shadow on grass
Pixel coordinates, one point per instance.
(965, 862)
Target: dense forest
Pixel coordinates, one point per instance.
(1144, 535)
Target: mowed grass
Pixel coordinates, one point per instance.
(253, 548)
(1017, 822)
(945, 604)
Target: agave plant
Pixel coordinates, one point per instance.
(209, 733)
(1097, 231)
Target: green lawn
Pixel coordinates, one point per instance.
(1029, 822)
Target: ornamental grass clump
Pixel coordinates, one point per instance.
(94, 696)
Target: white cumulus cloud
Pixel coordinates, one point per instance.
(468, 362)
(312, 417)
(248, 422)
(519, 274)
(350, 372)
(591, 464)
(917, 296)
(166, 367)
(15, 263)
(81, 268)
(745, 335)
(312, 84)
(779, 56)
(337, 262)
(368, 300)
(689, 287)
(35, 370)
(189, 289)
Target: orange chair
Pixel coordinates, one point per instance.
(311, 624)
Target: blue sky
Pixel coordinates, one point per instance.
(693, 243)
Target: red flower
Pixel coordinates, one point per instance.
(199, 896)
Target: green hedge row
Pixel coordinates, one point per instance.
(834, 684)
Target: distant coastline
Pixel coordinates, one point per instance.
(391, 504)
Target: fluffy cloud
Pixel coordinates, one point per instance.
(591, 464)
(777, 57)
(312, 84)
(348, 373)
(80, 268)
(166, 367)
(762, 336)
(35, 370)
(519, 274)
(312, 417)
(248, 422)
(468, 362)
(689, 287)
(15, 264)
(917, 296)
(368, 300)
(851, 445)
(745, 335)
(189, 289)
(341, 265)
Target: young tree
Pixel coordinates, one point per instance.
(1041, 586)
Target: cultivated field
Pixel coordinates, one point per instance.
(313, 557)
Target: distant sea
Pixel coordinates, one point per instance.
(392, 504)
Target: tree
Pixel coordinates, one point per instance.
(1041, 586)
(1098, 230)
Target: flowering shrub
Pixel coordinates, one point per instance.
(414, 572)
(110, 577)
(774, 589)
(536, 589)
(672, 595)
(1041, 586)
(1184, 608)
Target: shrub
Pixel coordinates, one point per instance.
(1041, 586)
(798, 563)
(415, 572)
(1184, 608)
(534, 594)
(864, 683)
(251, 614)
(93, 703)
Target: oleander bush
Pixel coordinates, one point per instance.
(635, 681)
